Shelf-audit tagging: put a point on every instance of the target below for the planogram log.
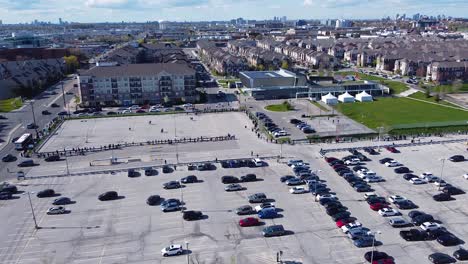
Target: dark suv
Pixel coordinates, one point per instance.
(46, 193)
(229, 179)
(274, 230)
(249, 177)
(111, 195)
(192, 215)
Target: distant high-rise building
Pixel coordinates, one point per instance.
(343, 23)
(60, 21)
(416, 16)
(283, 19)
(1, 22)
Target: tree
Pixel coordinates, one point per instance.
(260, 67)
(398, 71)
(284, 65)
(71, 63)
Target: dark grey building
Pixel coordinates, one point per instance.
(255, 79)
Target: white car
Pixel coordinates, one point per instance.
(373, 179)
(134, 107)
(297, 190)
(350, 226)
(172, 250)
(325, 196)
(154, 110)
(465, 176)
(430, 226)
(233, 187)
(352, 162)
(292, 162)
(428, 176)
(396, 198)
(262, 206)
(392, 163)
(388, 212)
(300, 164)
(417, 181)
(367, 174)
(56, 210)
(280, 133)
(440, 183)
(398, 222)
(126, 112)
(258, 162)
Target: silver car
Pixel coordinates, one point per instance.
(233, 187)
(398, 222)
(56, 210)
(244, 210)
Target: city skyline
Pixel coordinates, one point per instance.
(208, 10)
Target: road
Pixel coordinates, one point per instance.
(18, 119)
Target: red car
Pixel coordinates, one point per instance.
(330, 159)
(339, 166)
(392, 149)
(345, 221)
(249, 221)
(378, 206)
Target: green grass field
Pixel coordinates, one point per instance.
(284, 107)
(392, 112)
(10, 104)
(422, 96)
(395, 87)
(449, 88)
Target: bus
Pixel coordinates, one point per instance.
(23, 142)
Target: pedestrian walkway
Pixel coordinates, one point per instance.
(408, 92)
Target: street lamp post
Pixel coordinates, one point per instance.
(441, 171)
(63, 96)
(373, 244)
(188, 252)
(32, 210)
(34, 118)
(315, 182)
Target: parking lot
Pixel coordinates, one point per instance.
(118, 130)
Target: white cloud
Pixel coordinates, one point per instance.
(308, 2)
(107, 3)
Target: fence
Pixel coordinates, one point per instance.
(432, 124)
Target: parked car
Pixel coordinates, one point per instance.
(421, 219)
(107, 196)
(407, 204)
(267, 213)
(62, 201)
(189, 179)
(153, 200)
(170, 205)
(365, 241)
(257, 198)
(457, 158)
(166, 169)
(9, 158)
(46, 193)
(430, 226)
(286, 178)
(294, 181)
(45, 112)
(233, 187)
(413, 235)
(392, 163)
(274, 230)
(27, 163)
(448, 240)
(441, 197)
(375, 255)
(297, 190)
(229, 179)
(401, 170)
(248, 177)
(245, 210)
(56, 210)
(249, 221)
(171, 185)
(388, 212)
(150, 171)
(172, 250)
(391, 149)
(398, 222)
(417, 181)
(192, 215)
(133, 173)
(461, 254)
(452, 190)
(441, 258)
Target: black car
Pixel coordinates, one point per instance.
(414, 213)
(441, 258)
(378, 199)
(171, 185)
(166, 169)
(45, 112)
(448, 240)
(189, 179)
(436, 233)
(32, 126)
(54, 105)
(405, 205)
(285, 178)
(452, 190)
(248, 177)
(107, 196)
(26, 163)
(9, 158)
(133, 173)
(420, 219)
(63, 113)
(385, 160)
(400, 170)
(274, 230)
(295, 121)
(62, 201)
(359, 167)
(441, 197)
(150, 171)
(413, 235)
(5, 195)
(10, 188)
(229, 179)
(461, 254)
(192, 215)
(52, 158)
(335, 210)
(111, 113)
(153, 200)
(341, 215)
(375, 255)
(46, 193)
(363, 188)
(409, 176)
(457, 158)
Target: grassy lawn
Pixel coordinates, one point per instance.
(449, 88)
(10, 104)
(317, 104)
(422, 96)
(391, 112)
(395, 87)
(284, 107)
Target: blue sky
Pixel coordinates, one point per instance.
(15, 11)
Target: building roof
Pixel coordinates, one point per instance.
(267, 74)
(139, 70)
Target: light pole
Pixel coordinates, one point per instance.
(32, 210)
(380, 132)
(66, 162)
(441, 172)
(188, 252)
(63, 96)
(315, 182)
(34, 118)
(373, 243)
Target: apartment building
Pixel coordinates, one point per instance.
(129, 84)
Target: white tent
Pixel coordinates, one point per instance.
(364, 97)
(346, 98)
(329, 99)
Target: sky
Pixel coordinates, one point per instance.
(20, 11)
